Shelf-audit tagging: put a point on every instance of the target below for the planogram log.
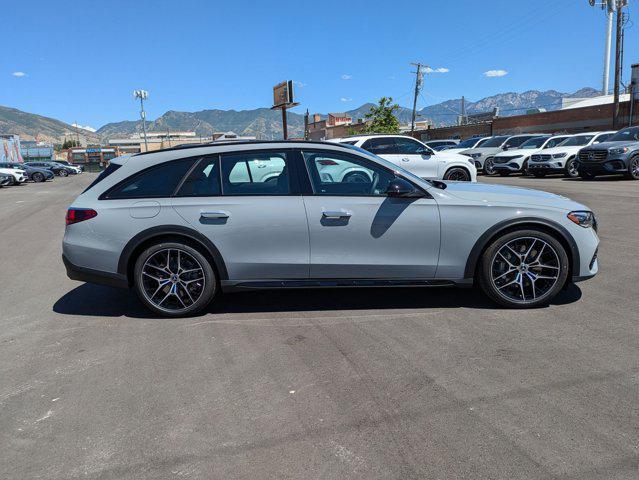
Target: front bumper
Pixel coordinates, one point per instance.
(545, 167)
(613, 166)
(508, 167)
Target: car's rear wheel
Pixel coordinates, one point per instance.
(571, 168)
(523, 269)
(458, 174)
(633, 168)
(38, 177)
(174, 279)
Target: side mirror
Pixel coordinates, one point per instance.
(505, 147)
(398, 187)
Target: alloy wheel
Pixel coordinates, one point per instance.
(489, 167)
(634, 167)
(571, 169)
(525, 269)
(458, 174)
(172, 280)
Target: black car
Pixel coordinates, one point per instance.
(617, 155)
(57, 168)
(35, 174)
(4, 179)
(67, 164)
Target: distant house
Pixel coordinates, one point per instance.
(337, 119)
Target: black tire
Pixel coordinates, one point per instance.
(539, 174)
(490, 256)
(458, 174)
(571, 171)
(208, 291)
(524, 169)
(489, 167)
(64, 173)
(633, 168)
(38, 177)
(587, 175)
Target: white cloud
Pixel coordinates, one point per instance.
(300, 84)
(495, 73)
(85, 127)
(437, 70)
(345, 99)
(19, 74)
(347, 76)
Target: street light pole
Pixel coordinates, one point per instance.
(142, 95)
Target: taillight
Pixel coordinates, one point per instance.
(75, 215)
(327, 162)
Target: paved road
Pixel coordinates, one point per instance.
(335, 384)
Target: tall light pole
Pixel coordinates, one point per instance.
(419, 80)
(609, 6)
(142, 95)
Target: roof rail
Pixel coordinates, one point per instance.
(187, 146)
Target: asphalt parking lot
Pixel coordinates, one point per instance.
(395, 383)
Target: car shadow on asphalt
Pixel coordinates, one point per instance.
(99, 301)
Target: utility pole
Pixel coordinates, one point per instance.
(463, 110)
(419, 80)
(619, 4)
(142, 95)
(609, 6)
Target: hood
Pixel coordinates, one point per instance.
(608, 145)
(448, 155)
(568, 150)
(524, 152)
(484, 150)
(501, 194)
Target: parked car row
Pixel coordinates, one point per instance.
(584, 155)
(37, 172)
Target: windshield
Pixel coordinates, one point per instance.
(389, 165)
(630, 134)
(576, 141)
(468, 143)
(494, 142)
(534, 142)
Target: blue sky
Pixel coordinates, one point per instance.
(79, 61)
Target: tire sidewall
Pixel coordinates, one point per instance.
(484, 274)
(454, 169)
(633, 160)
(210, 279)
(64, 173)
(38, 177)
(570, 162)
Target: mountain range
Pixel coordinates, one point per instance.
(265, 123)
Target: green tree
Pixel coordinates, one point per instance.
(70, 144)
(381, 119)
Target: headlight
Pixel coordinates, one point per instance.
(583, 219)
(559, 155)
(619, 151)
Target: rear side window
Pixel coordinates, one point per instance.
(155, 182)
(204, 179)
(380, 146)
(103, 174)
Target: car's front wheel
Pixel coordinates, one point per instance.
(489, 166)
(458, 174)
(64, 173)
(523, 269)
(174, 279)
(571, 168)
(633, 168)
(38, 177)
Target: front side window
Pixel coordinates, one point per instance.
(533, 143)
(380, 146)
(334, 173)
(408, 146)
(203, 181)
(155, 182)
(516, 141)
(255, 173)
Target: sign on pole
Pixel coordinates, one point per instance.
(283, 99)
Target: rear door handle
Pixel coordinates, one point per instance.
(336, 214)
(210, 215)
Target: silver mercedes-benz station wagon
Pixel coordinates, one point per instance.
(182, 224)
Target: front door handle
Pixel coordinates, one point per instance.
(213, 215)
(405, 159)
(336, 214)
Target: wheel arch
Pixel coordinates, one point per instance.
(548, 226)
(153, 235)
(448, 168)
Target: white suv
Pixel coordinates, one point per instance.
(416, 157)
(561, 159)
(517, 160)
(18, 176)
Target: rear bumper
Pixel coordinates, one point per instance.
(89, 275)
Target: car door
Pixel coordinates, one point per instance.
(405, 152)
(249, 205)
(357, 231)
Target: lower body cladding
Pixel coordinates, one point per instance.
(546, 167)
